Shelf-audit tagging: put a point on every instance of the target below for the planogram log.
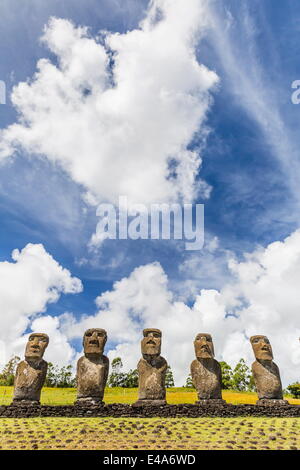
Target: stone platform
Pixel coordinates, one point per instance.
(118, 410)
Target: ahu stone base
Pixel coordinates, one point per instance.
(149, 403)
(121, 410)
(87, 402)
(211, 402)
(25, 403)
(272, 402)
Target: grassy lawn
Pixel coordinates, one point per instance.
(66, 396)
(141, 433)
(155, 433)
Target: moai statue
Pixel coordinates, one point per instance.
(152, 369)
(266, 373)
(206, 372)
(31, 373)
(92, 368)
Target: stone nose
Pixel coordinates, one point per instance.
(94, 336)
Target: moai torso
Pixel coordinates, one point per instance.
(265, 372)
(207, 380)
(152, 369)
(29, 380)
(206, 371)
(31, 373)
(92, 368)
(92, 377)
(267, 380)
(152, 374)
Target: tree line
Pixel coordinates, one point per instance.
(238, 378)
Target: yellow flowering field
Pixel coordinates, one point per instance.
(66, 396)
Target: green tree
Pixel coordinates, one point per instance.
(226, 376)
(117, 365)
(117, 378)
(241, 377)
(8, 373)
(294, 389)
(189, 382)
(51, 375)
(132, 379)
(66, 377)
(61, 377)
(169, 378)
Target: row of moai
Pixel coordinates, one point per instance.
(93, 367)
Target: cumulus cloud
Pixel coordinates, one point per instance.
(28, 284)
(118, 112)
(262, 299)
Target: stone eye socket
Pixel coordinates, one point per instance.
(98, 334)
(257, 340)
(43, 340)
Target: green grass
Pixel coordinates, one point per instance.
(151, 433)
(67, 396)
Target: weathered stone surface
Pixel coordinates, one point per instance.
(149, 402)
(152, 369)
(210, 402)
(271, 402)
(117, 410)
(92, 368)
(206, 371)
(31, 373)
(265, 372)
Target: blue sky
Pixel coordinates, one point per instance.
(250, 157)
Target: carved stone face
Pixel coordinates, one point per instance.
(151, 343)
(94, 341)
(261, 347)
(36, 345)
(204, 347)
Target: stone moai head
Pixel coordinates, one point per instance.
(151, 343)
(94, 341)
(36, 345)
(204, 347)
(261, 347)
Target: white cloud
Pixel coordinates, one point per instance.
(59, 351)
(262, 299)
(118, 138)
(28, 284)
(254, 85)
